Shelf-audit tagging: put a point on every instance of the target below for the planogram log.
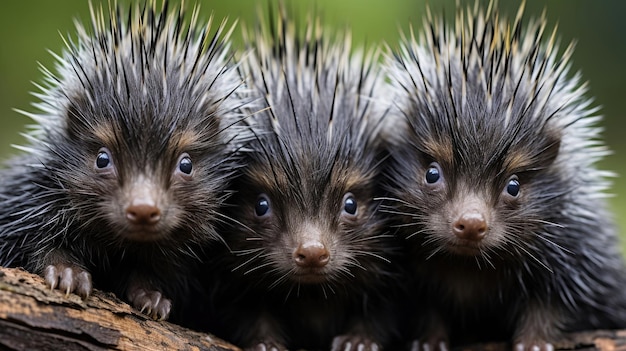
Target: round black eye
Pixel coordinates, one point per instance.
(262, 206)
(513, 187)
(184, 165)
(433, 174)
(103, 159)
(349, 204)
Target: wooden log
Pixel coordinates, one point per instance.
(33, 317)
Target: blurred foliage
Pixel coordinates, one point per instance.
(29, 28)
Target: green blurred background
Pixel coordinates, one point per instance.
(29, 28)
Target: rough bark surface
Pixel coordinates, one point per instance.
(33, 317)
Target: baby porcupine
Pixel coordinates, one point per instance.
(128, 163)
(495, 185)
(311, 252)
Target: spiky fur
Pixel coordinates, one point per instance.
(316, 140)
(148, 85)
(488, 99)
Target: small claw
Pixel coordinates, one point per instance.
(164, 309)
(353, 342)
(66, 281)
(263, 346)
(415, 345)
(156, 298)
(50, 276)
(151, 303)
(83, 285)
(146, 308)
(540, 346)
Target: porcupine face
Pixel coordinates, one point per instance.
(489, 160)
(312, 225)
(142, 147)
(308, 187)
(474, 198)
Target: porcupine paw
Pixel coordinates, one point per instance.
(429, 345)
(150, 302)
(353, 342)
(533, 346)
(68, 278)
(267, 345)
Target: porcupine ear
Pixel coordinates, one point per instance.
(550, 148)
(76, 126)
(73, 121)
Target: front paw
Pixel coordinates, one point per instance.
(68, 278)
(267, 345)
(150, 302)
(535, 345)
(354, 343)
(432, 345)
(538, 327)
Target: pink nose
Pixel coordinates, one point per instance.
(311, 255)
(470, 226)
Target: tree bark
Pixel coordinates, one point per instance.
(34, 317)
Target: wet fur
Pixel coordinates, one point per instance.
(488, 99)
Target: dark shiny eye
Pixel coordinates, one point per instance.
(184, 165)
(349, 204)
(262, 206)
(433, 173)
(513, 187)
(103, 160)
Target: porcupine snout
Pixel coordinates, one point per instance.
(311, 251)
(311, 255)
(470, 219)
(470, 225)
(143, 211)
(143, 206)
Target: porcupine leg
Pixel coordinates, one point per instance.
(145, 297)
(354, 342)
(433, 334)
(265, 335)
(537, 328)
(362, 336)
(267, 346)
(63, 273)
